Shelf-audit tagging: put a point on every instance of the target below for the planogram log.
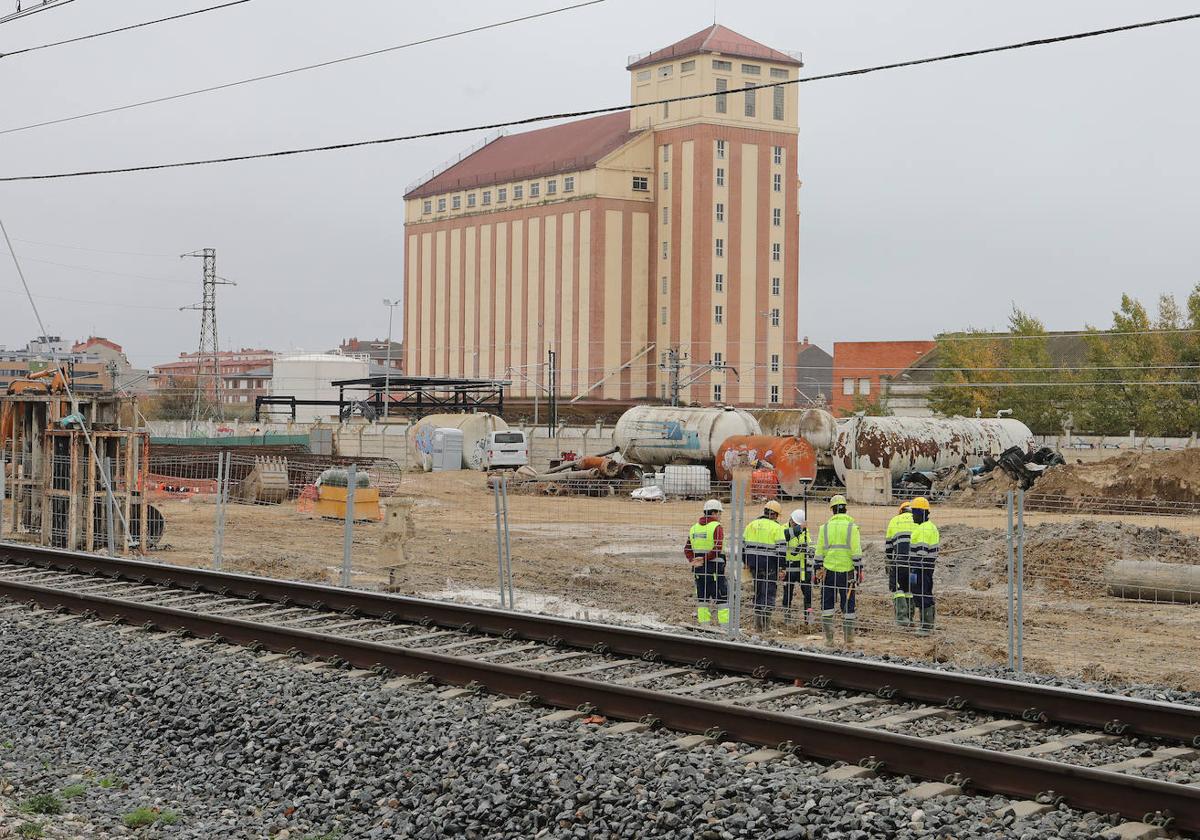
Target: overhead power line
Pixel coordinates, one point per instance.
(11, 53)
(29, 12)
(93, 250)
(354, 144)
(226, 85)
(91, 270)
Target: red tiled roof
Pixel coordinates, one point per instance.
(546, 151)
(717, 39)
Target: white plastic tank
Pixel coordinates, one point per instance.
(446, 454)
(307, 376)
(655, 435)
(475, 429)
(903, 444)
(689, 480)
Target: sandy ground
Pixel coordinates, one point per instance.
(613, 558)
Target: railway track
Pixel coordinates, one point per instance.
(973, 732)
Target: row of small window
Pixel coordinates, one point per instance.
(719, 285)
(864, 385)
(667, 70)
(776, 250)
(518, 193)
(776, 154)
(718, 361)
(718, 393)
(719, 212)
(719, 315)
(750, 103)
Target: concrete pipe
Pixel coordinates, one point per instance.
(1147, 580)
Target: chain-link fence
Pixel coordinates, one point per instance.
(1099, 587)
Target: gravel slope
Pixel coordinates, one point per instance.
(236, 748)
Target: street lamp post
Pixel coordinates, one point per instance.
(387, 372)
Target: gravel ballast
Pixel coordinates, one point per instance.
(213, 743)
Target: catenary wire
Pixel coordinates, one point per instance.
(305, 68)
(24, 13)
(352, 144)
(65, 41)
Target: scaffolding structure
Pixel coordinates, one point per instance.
(54, 480)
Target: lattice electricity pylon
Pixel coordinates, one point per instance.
(209, 347)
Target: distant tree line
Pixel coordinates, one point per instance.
(1142, 372)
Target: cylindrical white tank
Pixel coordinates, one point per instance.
(306, 376)
(651, 434)
(818, 427)
(903, 444)
(475, 429)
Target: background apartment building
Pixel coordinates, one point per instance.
(615, 238)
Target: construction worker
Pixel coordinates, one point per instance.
(839, 549)
(895, 552)
(798, 559)
(705, 550)
(764, 548)
(922, 552)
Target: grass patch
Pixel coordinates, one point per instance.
(110, 782)
(73, 791)
(42, 803)
(142, 817)
(335, 834)
(30, 829)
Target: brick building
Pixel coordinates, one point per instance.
(863, 370)
(615, 238)
(245, 374)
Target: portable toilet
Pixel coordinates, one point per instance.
(447, 450)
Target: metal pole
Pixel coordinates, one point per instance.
(3, 491)
(1020, 581)
(512, 601)
(219, 534)
(499, 541)
(387, 373)
(1010, 581)
(348, 534)
(109, 503)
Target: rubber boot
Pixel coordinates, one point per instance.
(898, 605)
(810, 617)
(927, 619)
(848, 631)
(827, 624)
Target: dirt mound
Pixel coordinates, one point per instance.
(988, 491)
(1155, 476)
(1073, 557)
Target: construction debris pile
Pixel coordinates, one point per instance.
(592, 475)
(1015, 468)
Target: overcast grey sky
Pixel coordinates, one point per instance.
(933, 197)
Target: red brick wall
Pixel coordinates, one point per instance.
(870, 360)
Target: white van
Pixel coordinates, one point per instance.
(506, 449)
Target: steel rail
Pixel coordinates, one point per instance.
(1038, 703)
(986, 770)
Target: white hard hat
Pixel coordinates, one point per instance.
(713, 505)
(798, 516)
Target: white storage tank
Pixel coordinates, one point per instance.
(693, 481)
(654, 435)
(307, 376)
(475, 429)
(446, 454)
(903, 444)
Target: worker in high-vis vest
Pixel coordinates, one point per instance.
(763, 549)
(839, 551)
(795, 569)
(705, 551)
(923, 546)
(895, 553)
